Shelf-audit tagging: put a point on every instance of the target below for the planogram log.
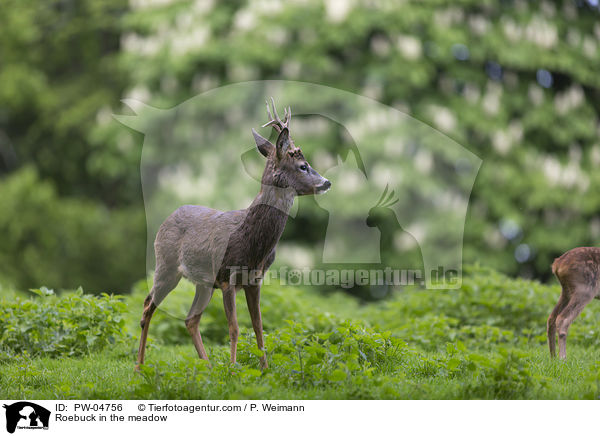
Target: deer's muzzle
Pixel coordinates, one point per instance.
(324, 187)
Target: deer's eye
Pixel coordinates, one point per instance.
(303, 168)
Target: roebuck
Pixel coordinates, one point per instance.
(578, 272)
(231, 250)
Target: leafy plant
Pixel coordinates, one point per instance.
(70, 325)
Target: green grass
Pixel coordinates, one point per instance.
(486, 340)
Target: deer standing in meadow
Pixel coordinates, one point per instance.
(578, 272)
(212, 248)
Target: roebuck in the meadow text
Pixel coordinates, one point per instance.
(578, 271)
(213, 248)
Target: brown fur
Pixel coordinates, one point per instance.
(577, 270)
(203, 244)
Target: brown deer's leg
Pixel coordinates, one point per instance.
(230, 312)
(165, 280)
(551, 325)
(201, 300)
(579, 298)
(149, 308)
(253, 300)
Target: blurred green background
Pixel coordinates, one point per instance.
(514, 82)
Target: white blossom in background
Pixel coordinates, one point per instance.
(443, 118)
(512, 30)
(140, 93)
(595, 227)
(569, 99)
(148, 4)
(191, 39)
(203, 82)
(595, 155)
(410, 47)
(568, 176)
(404, 240)
(201, 7)
(535, 94)
(491, 99)
(245, 19)
(423, 162)
(548, 8)
(504, 140)
(472, 93)
(382, 176)
(293, 254)
(448, 17)
(541, 32)
(590, 47)
(337, 10)
(478, 24)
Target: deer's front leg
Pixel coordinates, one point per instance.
(234, 331)
(253, 300)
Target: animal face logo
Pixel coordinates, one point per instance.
(381, 210)
(26, 415)
(199, 152)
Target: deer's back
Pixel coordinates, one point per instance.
(579, 266)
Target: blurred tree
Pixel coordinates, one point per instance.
(66, 242)
(58, 73)
(514, 82)
(58, 70)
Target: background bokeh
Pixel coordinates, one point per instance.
(514, 82)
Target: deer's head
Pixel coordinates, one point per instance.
(380, 214)
(286, 166)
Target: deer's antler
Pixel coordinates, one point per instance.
(276, 122)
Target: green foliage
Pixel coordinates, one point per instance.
(59, 74)
(278, 305)
(415, 345)
(489, 309)
(70, 325)
(65, 242)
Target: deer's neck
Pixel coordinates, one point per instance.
(265, 221)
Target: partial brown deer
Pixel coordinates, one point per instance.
(215, 249)
(578, 273)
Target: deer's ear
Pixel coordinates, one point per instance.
(264, 145)
(283, 142)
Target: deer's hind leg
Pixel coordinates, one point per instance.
(579, 297)
(551, 325)
(165, 280)
(201, 299)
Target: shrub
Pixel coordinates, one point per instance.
(65, 243)
(70, 325)
(506, 376)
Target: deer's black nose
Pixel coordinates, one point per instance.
(324, 187)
